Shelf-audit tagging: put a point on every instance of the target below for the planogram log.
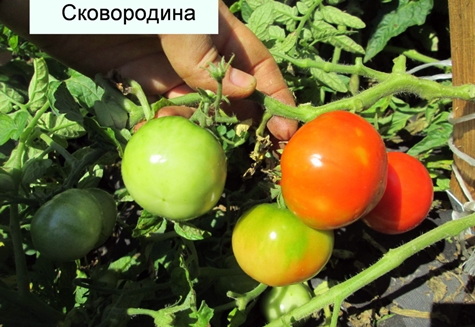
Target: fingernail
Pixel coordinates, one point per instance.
(241, 79)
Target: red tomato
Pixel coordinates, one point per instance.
(407, 199)
(333, 170)
(275, 248)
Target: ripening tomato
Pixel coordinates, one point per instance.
(407, 199)
(174, 168)
(275, 248)
(333, 170)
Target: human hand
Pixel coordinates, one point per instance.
(172, 65)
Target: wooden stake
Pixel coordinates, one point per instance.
(462, 40)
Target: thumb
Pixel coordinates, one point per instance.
(190, 55)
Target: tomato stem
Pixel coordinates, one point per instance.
(394, 84)
(393, 259)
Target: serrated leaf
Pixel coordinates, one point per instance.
(20, 118)
(37, 90)
(7, 128)
(7, 94)
(203, 315)
(254, 4)
(329, 79)
(260, 20)
(277, 33)
(284, 14)
(335, 16)
(190, 232)
(287, 45)
(34, 169)
(84, 89)
(327, 33)
(62, 101)
(302, 7)
(148, 223)
(61, 126)
(246, 11)
(110, 114)
(435, 138)
(407, 14)
(346, 43)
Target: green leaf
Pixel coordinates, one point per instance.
(7, 95)
(20, 119)
(124, 263)
(62, 101)
(61, 126)
(37, 90)
(302, 7)
(84, 89)
(407, 14)
(335, 16)
(148, 223)
(325, 32)
(110, 114)
(330, 79)
(190, 232)
(7, 128)
(203, 315)
(260, 21)
(436, 137)
(34, 169)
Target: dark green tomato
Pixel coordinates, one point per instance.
(68, 226)
(174, 168)
(279, 301)
(109, 212)
(6, 182)
(276, 248)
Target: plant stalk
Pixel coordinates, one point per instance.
(391, 260)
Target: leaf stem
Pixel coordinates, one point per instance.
(411, 54)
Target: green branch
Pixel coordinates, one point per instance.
(391, 260)
(394, 84)
(358, 68)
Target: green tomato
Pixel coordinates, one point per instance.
(6, 181)
(276, 248)
(174, 168)
(68, 226)
(279, 301)
(109, 212)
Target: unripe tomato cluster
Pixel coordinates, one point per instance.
(335, 171)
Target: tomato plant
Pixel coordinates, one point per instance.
(279, 301)
(333, 170)
(275, 248)
(68, 226)
(174, 168)
(407, 198)
(61, 129)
